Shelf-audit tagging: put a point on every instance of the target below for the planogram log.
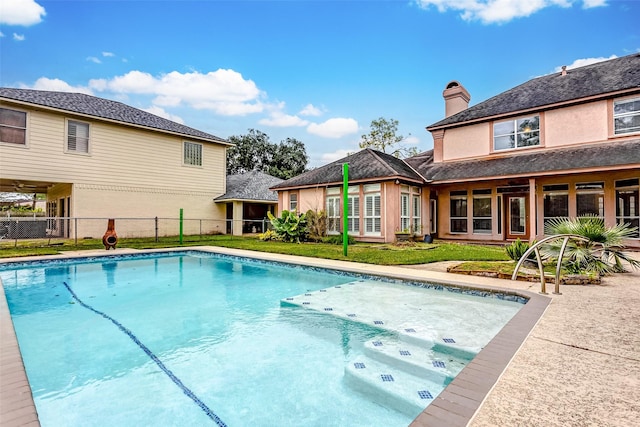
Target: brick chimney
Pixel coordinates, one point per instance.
(456, 98)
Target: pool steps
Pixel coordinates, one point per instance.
(399, 375)
(404, 370)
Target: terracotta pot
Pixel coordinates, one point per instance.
(110, 238)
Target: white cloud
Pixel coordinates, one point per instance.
(310, 110)
(585, 61)
(94, 60)
(410, 140)
(280, 119)
(21, 12)
(501, 11)
(336, 155)
(108, 54)
(334, 128)
(1, 34)
(18, 37)
(225, 92)
(44, 83)
(162, 113)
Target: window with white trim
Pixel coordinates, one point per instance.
(627, 203)
(293, 202)
(458, 211)
(353, 210)
(192, 154)
(626, 116)
(590, 199)
(372, 210)
(405, 216)
(482, 211)
(77, 137)
(518, 133)
(333, 214)
(415, 219)
(13, 126)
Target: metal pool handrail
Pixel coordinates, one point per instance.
(534, 248)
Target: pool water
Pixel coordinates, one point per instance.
(187, 339)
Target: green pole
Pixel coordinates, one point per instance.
(345, 209)
(180, 225)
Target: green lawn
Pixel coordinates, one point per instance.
(419, 253)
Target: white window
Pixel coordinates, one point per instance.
(77, 137)
(458, 211)
(590, 199)
(372, 224)
(433, 218)
(293, 202)
(482, 211)
(192, 154)
(333, 214)
(13, 126)
(353, 214)
(415, 220)
(628, 203)
(626, 116)
(523, 132)
(405, 217)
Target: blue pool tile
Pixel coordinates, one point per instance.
(307, 295)
(386, 377)
(338, 287)
(378, 322)
(409, 330)
(328, 309)
(449, 340)
(377, 343)
(289, 299)
(323, 290)
(359, 365)
(405, 353)
(438, 364)
(351, 315)
(306, 303)
(424, 394)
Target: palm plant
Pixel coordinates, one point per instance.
(290, 227)
(602, 253)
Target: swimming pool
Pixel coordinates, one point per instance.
(190, 337)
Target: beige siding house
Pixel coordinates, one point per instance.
(561, 145)
(96, 158)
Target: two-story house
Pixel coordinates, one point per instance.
(561, 145)
(96, 158)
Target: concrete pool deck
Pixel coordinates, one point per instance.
(579, 364)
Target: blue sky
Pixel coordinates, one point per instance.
(317, 71)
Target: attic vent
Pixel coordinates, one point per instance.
(564, 70)
(452, 84)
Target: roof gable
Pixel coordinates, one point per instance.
(102, 109)
(597, 79)
(366, 164)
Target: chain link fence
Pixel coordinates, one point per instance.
(17, 229)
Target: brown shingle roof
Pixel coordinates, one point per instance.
(103, 109)
(252, 186)
(366, 164)
(540, 162)
(597, 79)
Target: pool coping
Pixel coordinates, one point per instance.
(455, 406)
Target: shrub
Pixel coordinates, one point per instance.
(516, 249)
(601, 253)
(316, 225)
(337, 239)
(290, 227)
(268, 235)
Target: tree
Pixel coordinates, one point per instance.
(250, 152)
(289, 159)
(255, 151)
(383, 137)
